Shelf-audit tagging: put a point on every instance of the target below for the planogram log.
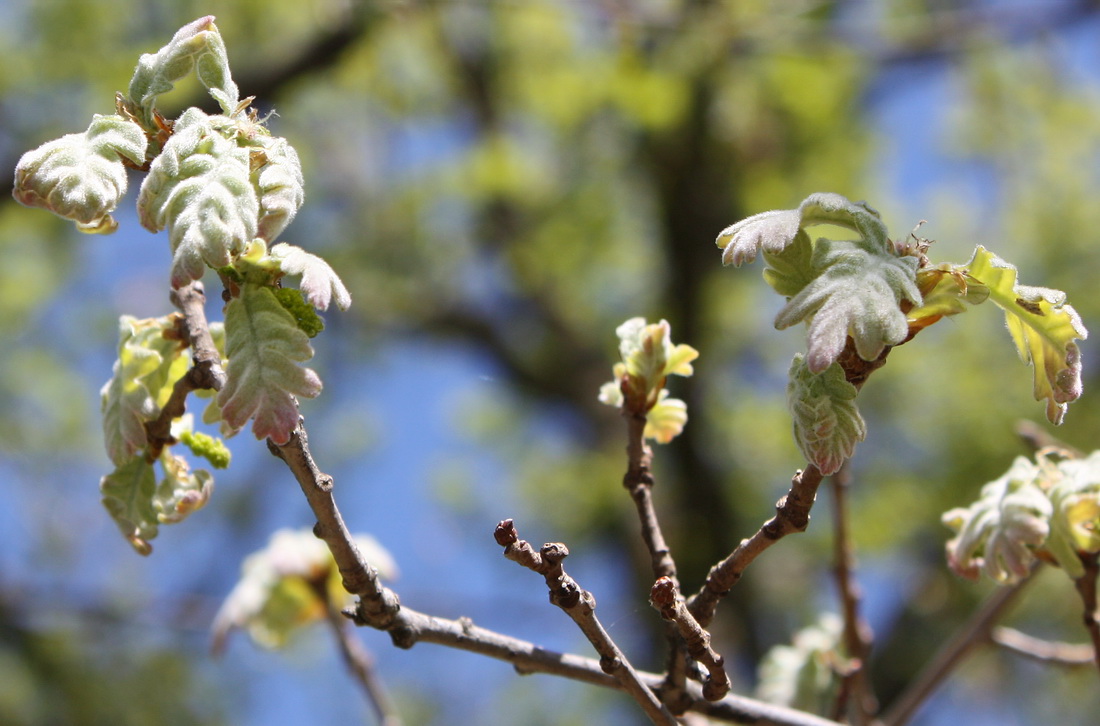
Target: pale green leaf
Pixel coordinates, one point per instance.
(128, 497)
(281, 187)
(149, 362)
(665, 421)
(1043, 328)
(200, 188)
(790, 270)
(855, 292)
(774, 231)
(804, 675)
(1002, 529)
(264, 346)
(320, 284)
(1075, 524)
(827, 423)
(289, 584)
(196, 46)
(81, 177)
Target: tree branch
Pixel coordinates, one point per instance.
(972, 633)
(792, 514)
(665, 597)
(1086, 587)
(1044, 651)
(857, 631)
(579, 605)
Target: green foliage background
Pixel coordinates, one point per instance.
(521, 177)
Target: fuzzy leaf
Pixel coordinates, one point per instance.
(1000, 531)
(1042, 326)
(281, 187)
(81, 177)
(1075, 525)
(855, 292)
(281, 587)
(264, 346)
(774, 231)
(791, 270)
(128, 496)
(196, 46)
(149, 362)
(200, 189)
(320, 284)
(827, 423)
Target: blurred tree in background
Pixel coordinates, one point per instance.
(508, 181)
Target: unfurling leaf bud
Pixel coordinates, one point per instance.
(82, 177)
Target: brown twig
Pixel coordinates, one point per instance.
(970, 634)
(639, 481)
(579, 605)
(857, 631)
(206, 365)
(1044, 651)
(665, 597)
(792, 514)
(378, 605)
(358, 660)
(1086, 587)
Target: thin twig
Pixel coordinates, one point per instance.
(380, 608)
(972, 633)
(359, 662)
(665, 597)
(1044, 651)
(579, 605)
(857, 631)
(206, 364)
(377, 604)
(639, 481)
(1086, 587)
(792, 514)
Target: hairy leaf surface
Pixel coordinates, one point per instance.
(281, 186)
(854, 292)
(196, 46)
(128, 497)
(320, 284)
(200, 189)
(827, 423)
(81, 177)
(1002, 529)
(264, 346)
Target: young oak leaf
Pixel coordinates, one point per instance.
(128, 497)
(181, 492)
(82, 177)
(1043, 328)
(280, 184)
(773, 231)
(827, 423)
(196, 46)
(320, 284)
(1002, 529)
(805, 674)
(855, 292)
(149, 362)
(1075, 524)
(200, 189)
(264, 346)
(945, 290)
(289, 584)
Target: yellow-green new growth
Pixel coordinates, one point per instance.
(648, 358)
